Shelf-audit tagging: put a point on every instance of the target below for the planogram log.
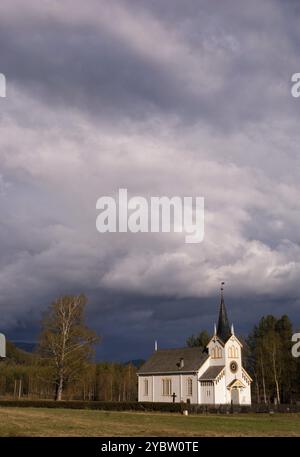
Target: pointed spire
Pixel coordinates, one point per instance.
(223, 330)
(232, 329)
(215, 330)
(155, 346)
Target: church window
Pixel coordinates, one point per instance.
(166, 386)
(233, 352)
(146, 387)
(216, 353)
(189, 387)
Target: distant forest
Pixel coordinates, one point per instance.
(266, 353)
(26, 375)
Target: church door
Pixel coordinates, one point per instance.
(235, 396)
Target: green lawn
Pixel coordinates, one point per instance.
(64, 422)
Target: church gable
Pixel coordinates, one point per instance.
(216, 348)
(236, 383)
(233, 348)
(233, 340)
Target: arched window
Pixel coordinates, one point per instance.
(146, 387)
(189, 387)
(233, 352)
(167, 387)
(216, 353)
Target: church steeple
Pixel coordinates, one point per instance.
(223, 329)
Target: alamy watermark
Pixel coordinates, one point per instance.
(295, 89)
(2, 85)
(156, 214)
(296, 346)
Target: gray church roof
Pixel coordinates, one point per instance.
(168, 361)
(211, 373)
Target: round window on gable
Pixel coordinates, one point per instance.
(233, 367)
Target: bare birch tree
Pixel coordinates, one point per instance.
(66, 341)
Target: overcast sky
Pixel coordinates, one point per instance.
(167, 98)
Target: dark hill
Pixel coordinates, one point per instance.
(17, 355)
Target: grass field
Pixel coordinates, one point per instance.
(64, 422)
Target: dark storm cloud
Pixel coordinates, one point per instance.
(91, 65)
(165, 98)
(86, 67)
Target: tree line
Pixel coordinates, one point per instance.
(64, 366)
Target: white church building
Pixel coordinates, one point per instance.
(193, 375)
